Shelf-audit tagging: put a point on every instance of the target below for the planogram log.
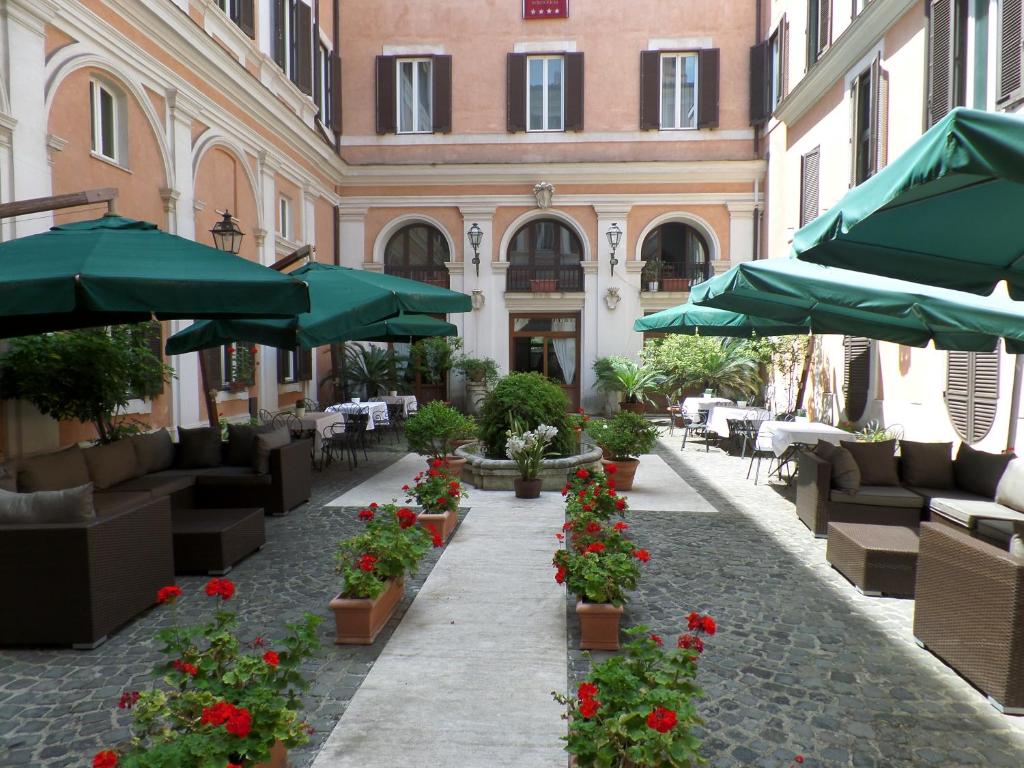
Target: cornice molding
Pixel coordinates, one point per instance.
(615, 202)
(545, 302)
(612, 210)
(33, 14)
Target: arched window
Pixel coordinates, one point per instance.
(545, 255)
(677, 257)
(419, 252)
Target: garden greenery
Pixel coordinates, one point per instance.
(532, 400)
(433, 428)
(624, 437)
(730, 367)
(390, 547)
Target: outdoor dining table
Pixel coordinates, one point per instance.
(316, 422)
(719, 417)
(785, 438)
(371, 407)
(408, 402)
(693, 405)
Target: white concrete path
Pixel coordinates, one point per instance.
(385, 485)
(465, 680)
(657, 488)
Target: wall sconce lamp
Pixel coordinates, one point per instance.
(614, 235)
(477, 298)
(475, 235)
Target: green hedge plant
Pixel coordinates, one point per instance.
(624, 437)
(530, 400)
(434, 427)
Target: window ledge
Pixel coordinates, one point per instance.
(138, 406)
(224, 396)
(290, 386)
(103, 158)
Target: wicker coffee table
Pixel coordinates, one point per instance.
(878, 559)
(214, 540)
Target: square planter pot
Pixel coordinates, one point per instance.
(445, 523)
(599, 625)
(358, 620)
(278, 757)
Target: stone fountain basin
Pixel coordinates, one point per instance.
(499, 474)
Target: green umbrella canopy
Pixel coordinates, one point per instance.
(942, 213)
(708, 321)
(830, 300)
(403, 328)
(115, 270)
(342, 301)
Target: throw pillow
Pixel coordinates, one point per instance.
(266, 443)
(845, 472)
(1017, 546)
(199, 448)
(1010, 490)
(876, 461)
(927, 465)
(112, 463)
(71, 505)
(154, 451)
(53, 471)
(976, 471)
(241, 450)
(824, 450)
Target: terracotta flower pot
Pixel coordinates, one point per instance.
(451, 464)
(599, 626)
(444, 523)
(637, 408)
(527, 489)
(278, 757)
(625, 472)
(359, 620)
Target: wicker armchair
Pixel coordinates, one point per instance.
(288, 485)
(969, 611)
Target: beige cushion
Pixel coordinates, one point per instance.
(876, 461)
(1010, 490)
(880, 496)
(979, 472)
(111, 464)
(996, 530)
(1017, 546)
(943, 493)
(71, 505)
(967, 512)
(927, 464)
(154, 451)
(53, 471)
(267, 442)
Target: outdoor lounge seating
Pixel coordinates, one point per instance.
(214, 540)
(878, 559)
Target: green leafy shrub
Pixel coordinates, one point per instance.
(478, 369)
(626, 436)
(433, 357)
(531, 400)
(432, 429)
(634, 381)
(390, 547)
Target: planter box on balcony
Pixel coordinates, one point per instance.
(675, 284)
(543, 286)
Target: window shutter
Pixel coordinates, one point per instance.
(386, 105)
(574, 91)
(335, 94)
(853, 132)
(247, 17)
(650, 90)
(972, 393)
(303, 75)
(304, 364)
(1011, 38)
(857, 375)
(280, 44)
(784, 55)
(318, 76)
(441, 69)
(810, 165)
(940, 60)
(707, 88)
(214, 360)
(282, 365)
(824, 24)
(516, 92)
(760, 71)
(879, 115)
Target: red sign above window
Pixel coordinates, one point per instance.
(545, 9)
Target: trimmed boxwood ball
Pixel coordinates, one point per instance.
(533, 400)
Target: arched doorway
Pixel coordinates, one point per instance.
(545, 255)
(677, 257)
(419, 252)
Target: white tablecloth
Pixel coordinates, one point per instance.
(318, 421)
(378, 411)
(409, 404)
(779, 436)
(719, 417)
(692, 405)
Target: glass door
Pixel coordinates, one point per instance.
(548, 344)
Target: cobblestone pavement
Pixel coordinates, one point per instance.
(58, 707)
(802, 663)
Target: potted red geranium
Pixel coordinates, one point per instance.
(438, 492)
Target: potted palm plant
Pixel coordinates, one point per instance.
(527, 448)
(726, 367)
(636, 381)
(623, 439)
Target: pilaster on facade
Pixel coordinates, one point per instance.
(169, 197)
(54, 144)
(352, 236)
(741, 232)
(33, 15)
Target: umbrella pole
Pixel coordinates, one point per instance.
(1018, 379)
(211, 402)
(802, 388)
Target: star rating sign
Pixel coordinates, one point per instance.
(545, 9)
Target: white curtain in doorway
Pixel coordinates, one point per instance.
(520, 323)
(565, 349)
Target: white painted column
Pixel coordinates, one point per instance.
(741, 232)
(266, 240)
(482, 327)
(352, 237)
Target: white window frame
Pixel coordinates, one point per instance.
(285, 217)
(679, 56)
(324, 53)
(289, 42)
(229, 7)
(288, 376)
(413, 61)
(775, 70)
(96, 88)
(544, 95)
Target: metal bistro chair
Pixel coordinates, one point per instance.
(396, 419)
(265, 416)
(759, 452)
(310, 405)
(355, 432)
(381, 422)
(696, 426)
(746, 431)
(332, 441)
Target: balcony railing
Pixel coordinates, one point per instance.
(679, 277)
(431, 275)
(531, 279)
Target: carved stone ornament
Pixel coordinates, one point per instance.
(543, 191)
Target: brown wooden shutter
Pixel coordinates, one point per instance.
(650, 90)
(972, 393)
(386, 105)
(573, 92)
(303, 75)
(707, 87)
(515, 93)
(304, 364)
(280, 44)
(247, 17)
(879, 115)
(856, 375)
(441, 74)
(853, 132)
(335, 93)
(760, 86)
(282, 365)
(824, 24)
(784, 56)
(810, 168)
(1011, 38)
(318, 76)
(940, 60)
(214, 360)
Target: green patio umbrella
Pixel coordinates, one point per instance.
(342, 301)
(403, 327)
(115, 270)
(708, 321)
(941, 213)
(830, 300)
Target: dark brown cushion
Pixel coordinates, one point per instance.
(111, 464)
(109, 503)
(876, 461)
(53, 471)
(845, 472)
(154, 452)
(267, 442)
(71, 505)
(199, 447)
(9, 478)
(975, 471)
(241, 450)
(927, 464)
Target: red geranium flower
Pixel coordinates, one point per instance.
(597, 546)
(621, 526)
(693, 620)
(582, 474)
(239, 724)
(184, 666)
(366, 563)
(168, 594)
(128, 700)
(642, 555)
(435, 537)
(436, 463)
(620, 504)
(374, 505)
(593, 527)
(565, 490)
(218, 714)
(691, 641)
(589, 707)
(799, 758)
(560, 536)
(567, 525)
(405, 487)
(662, 720)
(657, 639)
(611, 469)
(105, 759)
(588, 508)
(560, 575)
(587, 691)
(233, 765)
(271, 658)
(366, 514)
(708, 625)
(406, 517)
(442, 500)
(223, 588)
